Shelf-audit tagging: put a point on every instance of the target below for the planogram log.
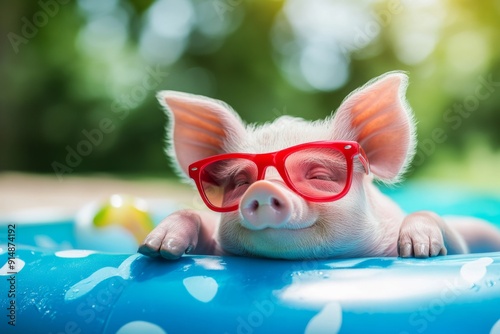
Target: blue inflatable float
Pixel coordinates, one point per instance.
(84, 291)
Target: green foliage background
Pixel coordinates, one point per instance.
(70, 73)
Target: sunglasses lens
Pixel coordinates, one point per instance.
(317, 172)
(225, 181)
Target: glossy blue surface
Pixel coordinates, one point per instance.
(78, 292)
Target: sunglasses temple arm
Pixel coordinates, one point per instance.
(364, 162)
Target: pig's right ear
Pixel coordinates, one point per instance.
(378, 117)
(199, 127)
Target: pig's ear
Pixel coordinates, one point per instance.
(378, 117)
(199, 127)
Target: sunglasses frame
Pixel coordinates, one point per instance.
(350, 150)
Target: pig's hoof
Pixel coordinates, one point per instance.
(421, 239)
(167, 248)
(174, 236)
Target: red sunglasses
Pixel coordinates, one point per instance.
(318, 171)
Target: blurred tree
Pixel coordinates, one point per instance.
(79, 78)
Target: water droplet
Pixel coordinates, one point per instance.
(325, 276)
(490, 283)
(475, 287)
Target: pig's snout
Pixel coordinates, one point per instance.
(264, 205)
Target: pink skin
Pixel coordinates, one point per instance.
(265, 206)
(273, 221)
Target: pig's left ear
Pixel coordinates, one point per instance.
(199, 127)
(378, 117)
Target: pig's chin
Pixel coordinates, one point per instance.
(298, 241)
(282, 243)
(271, 227)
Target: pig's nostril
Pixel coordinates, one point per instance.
(275, 203)
(265, 206)
(254, 205)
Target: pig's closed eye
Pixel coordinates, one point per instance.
(322, 174)
(241, 179)
(240, 183)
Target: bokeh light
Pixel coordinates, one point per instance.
(107, 59)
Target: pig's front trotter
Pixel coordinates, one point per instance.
(421, 235)
(175, 235)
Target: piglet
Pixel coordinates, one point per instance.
(288, 205)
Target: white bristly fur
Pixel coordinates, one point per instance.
(363, 223)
